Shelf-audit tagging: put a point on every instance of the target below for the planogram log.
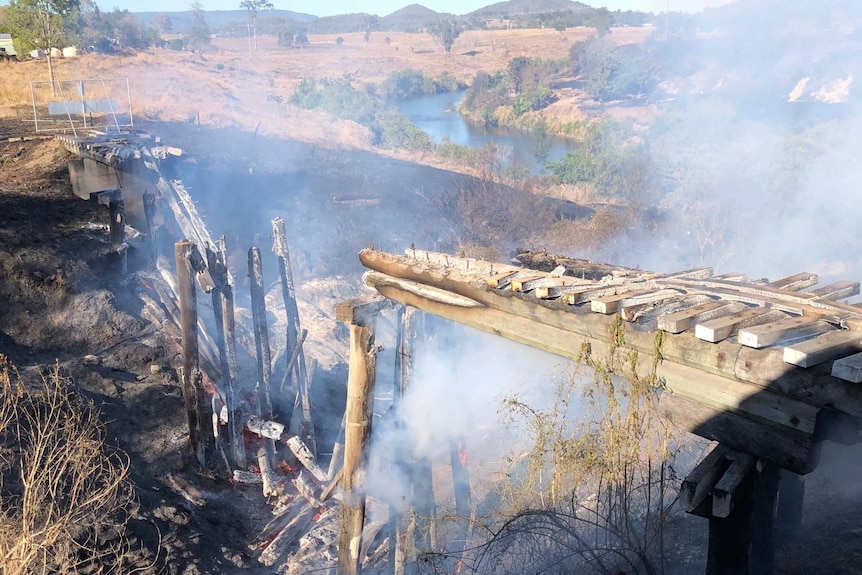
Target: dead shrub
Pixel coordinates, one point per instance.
(591, 497)
(592, 236)
(489, 214)
(65, 497)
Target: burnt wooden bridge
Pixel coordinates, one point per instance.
(767, 369)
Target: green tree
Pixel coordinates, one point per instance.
(253, 7)
(198, 37)
(163, 24)
(369, 24)
(445, 31)
(601, 20)
(286, 37)
(42, 24)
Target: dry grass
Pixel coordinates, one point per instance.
(230, 87)
(65, 495)
(594, 495)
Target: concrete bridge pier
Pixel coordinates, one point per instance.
(90, 178)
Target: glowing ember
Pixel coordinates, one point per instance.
(462, 452)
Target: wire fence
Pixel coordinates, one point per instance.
(72, 105)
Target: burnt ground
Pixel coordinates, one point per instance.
(59, 301)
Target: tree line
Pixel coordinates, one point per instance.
(53, 24)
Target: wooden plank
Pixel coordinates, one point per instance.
(225, 288)
(610, 304)
(680, 321)
(297, 526)
(837, 290)
(783, 300)
(824, 348)
(787, 449)
(306, 457)
(726, 491)
(796, 282)
(585, 294)
(633, 303)
(848, 368)
(271, 429)
(691, 274)
(732, 277)
(502, 279)
(719, 329)
(785, 330)
(271, 479)
(719, 392)
(555, 288)
(650, 311)
(699, 483)
(528, 282)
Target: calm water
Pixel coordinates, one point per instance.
(438, 116)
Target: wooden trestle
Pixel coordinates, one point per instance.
(766, 368)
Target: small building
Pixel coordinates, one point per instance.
(7, 47)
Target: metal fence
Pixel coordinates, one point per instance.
(70, 105)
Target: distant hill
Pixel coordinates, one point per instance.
(340, 24)
(529, 7)
(413, 11)
(218, 19)
(412, 18)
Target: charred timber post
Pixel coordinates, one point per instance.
(150, 216)
(730, 537)
(226, 340)
(301, 422)
(460, 476)
(358, 418)
(281, 250)
(228, 312)
(192, 383)
(398, 513)
(791, 494)
(261, 334)
(764, 515)
(423, 502)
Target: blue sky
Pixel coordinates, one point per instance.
(383, 7)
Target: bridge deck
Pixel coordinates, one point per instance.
(765, 367)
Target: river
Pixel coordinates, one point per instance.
(438, 116)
